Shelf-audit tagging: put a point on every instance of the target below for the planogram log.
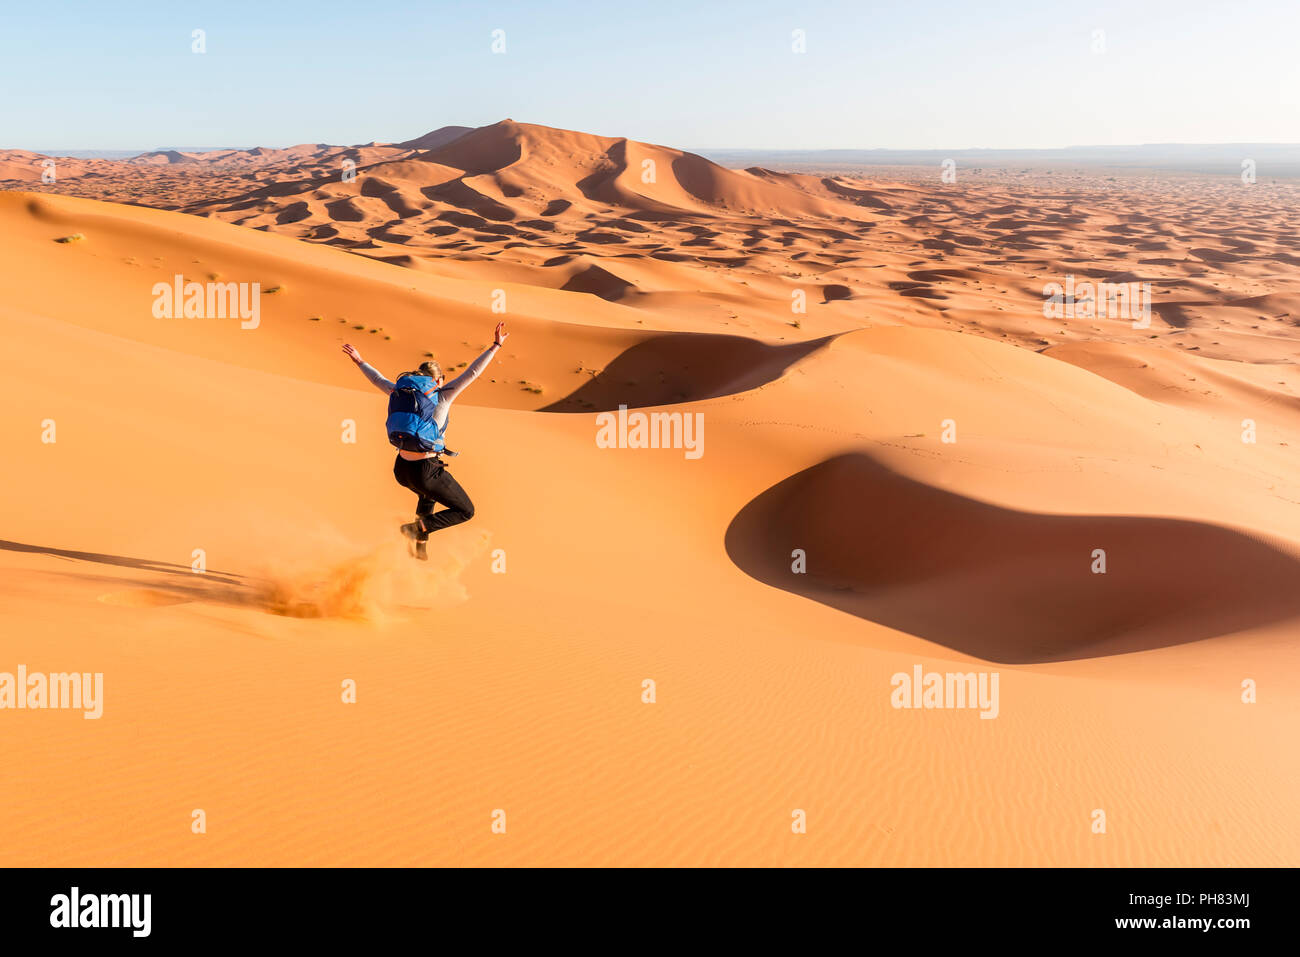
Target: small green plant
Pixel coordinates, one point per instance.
(74, 238)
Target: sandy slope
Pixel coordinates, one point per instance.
(522, 690)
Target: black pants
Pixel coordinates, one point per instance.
(429, 479)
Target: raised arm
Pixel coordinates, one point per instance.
(452, 388)
(370, 372)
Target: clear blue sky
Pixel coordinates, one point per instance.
(925, 74)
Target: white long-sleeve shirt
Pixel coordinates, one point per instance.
(446, 395)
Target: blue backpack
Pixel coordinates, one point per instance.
(410, 422)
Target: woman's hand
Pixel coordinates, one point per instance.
(500, 336)
(353, 354)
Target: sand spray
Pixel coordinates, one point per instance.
(375, 583)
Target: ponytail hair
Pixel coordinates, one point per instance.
(429, 367)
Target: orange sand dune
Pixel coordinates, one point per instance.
(945, 458)
(648, 227)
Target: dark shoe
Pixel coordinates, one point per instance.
(415, 537)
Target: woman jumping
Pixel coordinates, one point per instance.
(418, 405)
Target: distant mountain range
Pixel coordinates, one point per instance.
(1271, 159)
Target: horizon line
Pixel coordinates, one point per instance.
(133, 151)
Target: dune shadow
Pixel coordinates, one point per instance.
(597, 185)
(597, 282)
(1174, 314)
(345, 211)
(293, 213)
(600, 237)
(683, 367)
(385, 234)
(463, 196)
(1000, 584)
